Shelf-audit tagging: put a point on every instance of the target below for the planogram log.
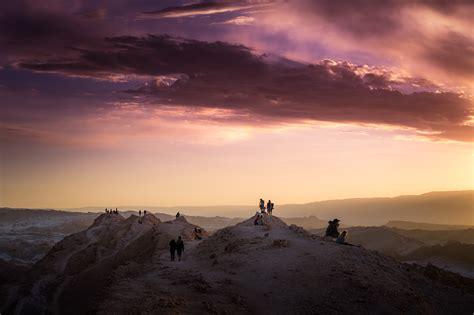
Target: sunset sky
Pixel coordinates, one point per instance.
(164, 103)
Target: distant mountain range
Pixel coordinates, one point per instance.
(406, 225)
(447, 208)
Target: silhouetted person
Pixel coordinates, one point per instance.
(139, 213)
(179, 247)
(106, 210)
(144, 212)
(273, 207)
(332, 228)
(269, 206)
(177, 215)
(116, 211)
(172, 249)
(262, 205)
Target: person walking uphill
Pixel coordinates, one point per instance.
(172, 249)
(179, 247)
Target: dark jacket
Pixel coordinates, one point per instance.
(172, 245)
(180, 245)
(332, 229)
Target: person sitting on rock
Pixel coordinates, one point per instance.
(197, 233)
(177, 215)
(332, 228)
(179, 247)
(341, 239)
(106, 210)
(172, 249)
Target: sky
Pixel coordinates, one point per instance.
(167, 103)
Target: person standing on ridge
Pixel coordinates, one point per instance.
(177, 215)
(144, 212)
(269, 207)
(179, 247)
(262, 206)
(172, 249)
(139, 213)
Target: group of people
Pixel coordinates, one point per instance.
(269, 208)
(332, 231)
(197, 233)
(258, 219)
(176, 247)
(140, 219)
(263, 210)
(111, 211)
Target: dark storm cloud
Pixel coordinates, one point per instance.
(29, 31)
(157, 55)
(202, 74)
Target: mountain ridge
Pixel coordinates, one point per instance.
(121, 265)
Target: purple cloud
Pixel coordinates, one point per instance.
(222, 75)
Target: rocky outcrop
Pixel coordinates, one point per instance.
(123, 267)
(85, 264)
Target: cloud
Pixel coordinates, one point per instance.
(267, 88)
(452, 51)
(31, 30)
(200, 8)
(239, 20)
(422, 36)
